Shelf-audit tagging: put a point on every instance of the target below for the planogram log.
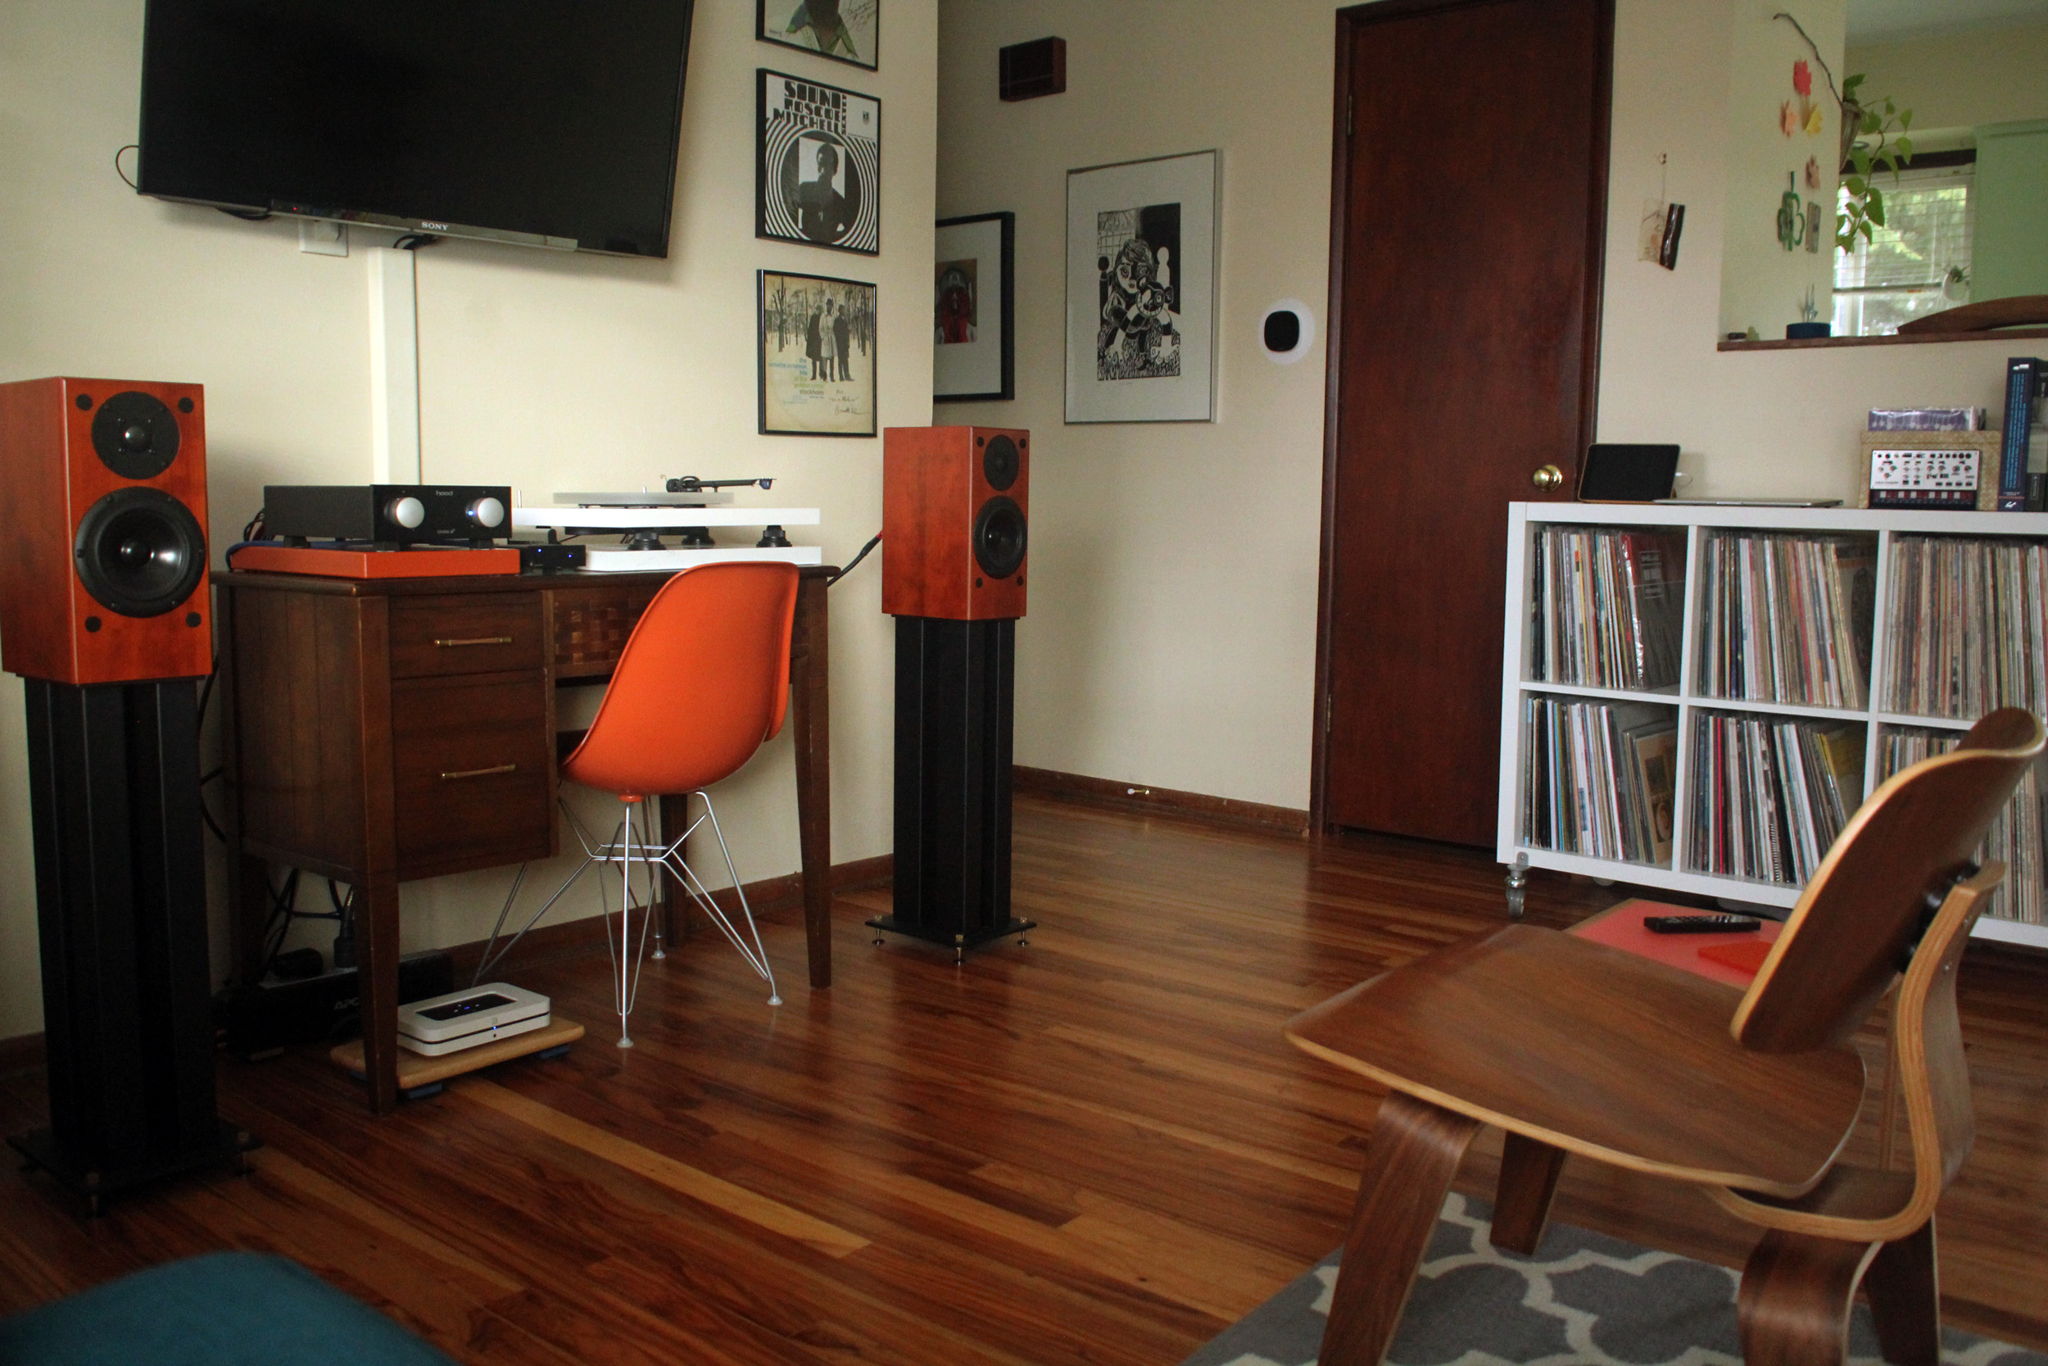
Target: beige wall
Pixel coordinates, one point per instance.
(1172, 629)
(1763, 284)
(1964, 79)
(540, 370)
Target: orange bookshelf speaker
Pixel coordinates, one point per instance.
(103, 568)
(954, 506)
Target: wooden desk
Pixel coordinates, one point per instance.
(385, 730)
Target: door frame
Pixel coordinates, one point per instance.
(1350, 21)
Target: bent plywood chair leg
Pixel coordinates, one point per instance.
(1528, 1179)
(1414, 1153)
(1795, 1298)
(1905, 1299)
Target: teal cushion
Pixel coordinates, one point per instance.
(223, 1309)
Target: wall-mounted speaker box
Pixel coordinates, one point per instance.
(955, 502)
(1031, 69)
(103, 575)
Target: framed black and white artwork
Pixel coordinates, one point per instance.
(1141, 291)
(844, 30)
(973, 338)
(818, 164)
(817, 347)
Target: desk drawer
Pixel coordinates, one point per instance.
(464, 633)
(471, 771)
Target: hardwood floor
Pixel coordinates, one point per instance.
(1094, 1149)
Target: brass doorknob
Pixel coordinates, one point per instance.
(1549, 477)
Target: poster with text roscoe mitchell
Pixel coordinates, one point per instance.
(818, 167)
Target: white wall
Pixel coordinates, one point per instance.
(1763, 284)
(540, 370)
(1960, 80)
(1172, 630)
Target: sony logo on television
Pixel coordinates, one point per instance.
(428, 225)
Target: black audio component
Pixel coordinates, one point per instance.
(545, 557)
(262, 1021)
(955, 699)
(121, 908)
(388, 514)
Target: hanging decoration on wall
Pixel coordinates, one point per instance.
(1813, 226)
(844, 30)
(817, 353)
(1788, 119)
(818, 164)
(1813, 173)
(1791, 216)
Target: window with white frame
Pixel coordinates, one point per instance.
(1917, 263)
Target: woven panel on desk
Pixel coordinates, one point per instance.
(591, 627)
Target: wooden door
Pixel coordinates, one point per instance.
(1469, 188)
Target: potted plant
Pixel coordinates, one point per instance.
(1874, 139)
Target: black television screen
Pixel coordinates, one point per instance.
(547, 122)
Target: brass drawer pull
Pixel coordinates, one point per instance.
(447, 643)
(480, 772)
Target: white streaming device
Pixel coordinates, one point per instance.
(472, 1016)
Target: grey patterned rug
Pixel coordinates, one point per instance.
(1583, 1300)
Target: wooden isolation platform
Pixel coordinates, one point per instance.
(418, 1070)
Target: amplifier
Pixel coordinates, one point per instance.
(388, 514)
(263, 1020)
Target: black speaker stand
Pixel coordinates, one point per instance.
(121, 914)
(955, 691)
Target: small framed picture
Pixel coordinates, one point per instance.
(973, 337)
(818, 164)
(817, 356)
(1141, 291)
(844, 30)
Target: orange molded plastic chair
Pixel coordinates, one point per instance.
(702, 682)
(1574, 1047)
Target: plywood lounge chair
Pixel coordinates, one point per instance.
(1575, 1048)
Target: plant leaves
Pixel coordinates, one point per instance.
(1857, 186)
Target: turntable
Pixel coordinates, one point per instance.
(673, 528)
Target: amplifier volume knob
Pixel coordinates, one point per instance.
(487, 512)
(407, 512)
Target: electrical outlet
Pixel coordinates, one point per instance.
(321, 238)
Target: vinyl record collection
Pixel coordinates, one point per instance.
(1787, 618)
(1600, 777)
(1769, 794)
(1608, 603)
(1968, 618)
(2016, 838)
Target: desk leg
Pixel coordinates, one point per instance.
(811, 721)
(377, 974)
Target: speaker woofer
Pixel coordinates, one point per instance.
(999, 537)
(135, 435)
(999, 463)
(140, 552)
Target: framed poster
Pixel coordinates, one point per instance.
(973, 341)
(818, 165)
(1141, 291)
(844, 30)
(817, 356)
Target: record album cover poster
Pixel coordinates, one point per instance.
(817, 355)
(819, 165)
(844, 30)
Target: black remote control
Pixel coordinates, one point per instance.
(1699, 924)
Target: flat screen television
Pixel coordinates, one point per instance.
(547, 122)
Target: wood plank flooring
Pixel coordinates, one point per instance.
(1093, 1149)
